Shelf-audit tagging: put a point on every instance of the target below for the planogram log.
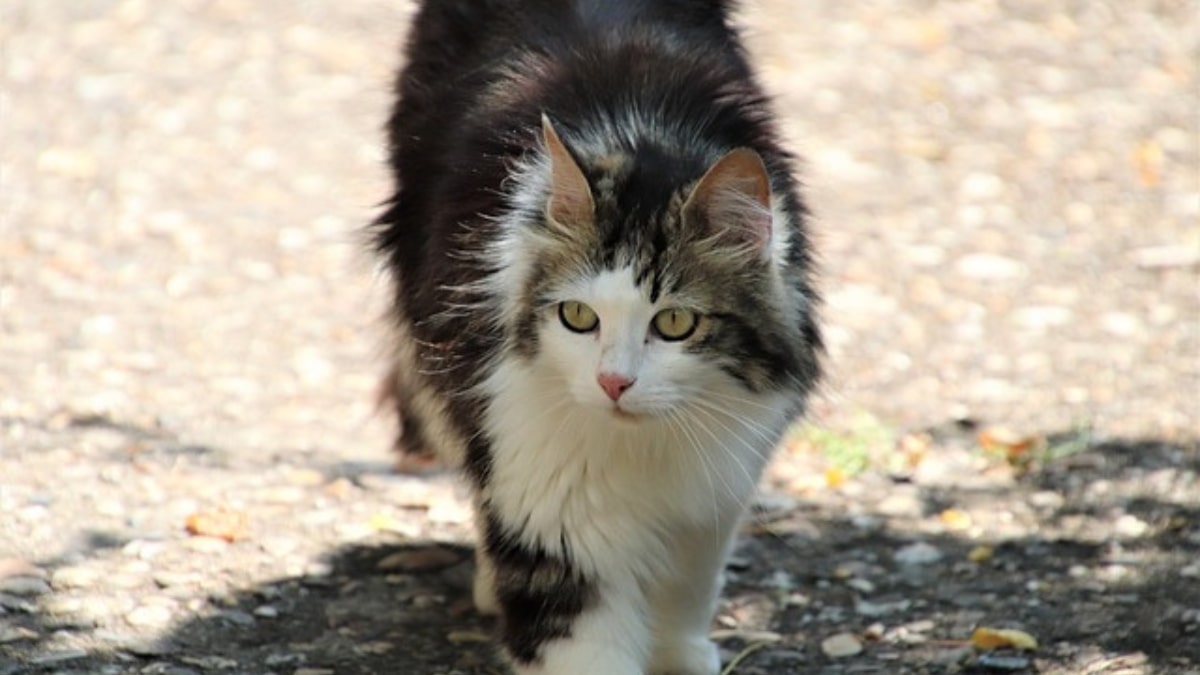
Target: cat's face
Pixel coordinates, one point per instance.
(651, 313)
(614, 349)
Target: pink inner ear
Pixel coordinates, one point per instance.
(734, 198)
(570, 200)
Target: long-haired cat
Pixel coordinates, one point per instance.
(603, 311)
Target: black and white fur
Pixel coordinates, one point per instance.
(618, 154)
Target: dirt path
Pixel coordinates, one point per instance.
(1009, 217)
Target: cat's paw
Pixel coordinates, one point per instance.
(696, 655)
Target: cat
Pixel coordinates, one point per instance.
(603, 311)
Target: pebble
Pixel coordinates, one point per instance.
(864, 586)
(59, 657)
(24, 586)
(15, 567)
(149, 616)
(16, 634)
(1130, 526)
(989, 267)
(313, 671)
(841, 645)
(266, 611)
(919, 553)
(74, 577)
(1003, 662)
(168, 579)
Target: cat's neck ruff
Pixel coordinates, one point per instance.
(578, 482)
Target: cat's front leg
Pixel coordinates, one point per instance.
(556, 621)
(684, 603)
(608, 639)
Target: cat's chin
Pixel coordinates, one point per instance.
(626, 417)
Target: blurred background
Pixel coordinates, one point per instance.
(1006, 200)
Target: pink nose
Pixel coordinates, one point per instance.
(614, 385)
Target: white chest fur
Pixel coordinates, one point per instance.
(617, 493)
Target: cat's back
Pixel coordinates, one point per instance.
(452, 40)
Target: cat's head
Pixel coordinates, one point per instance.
(642, 295)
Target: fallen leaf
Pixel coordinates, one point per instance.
(420, 560)
(834, 477)
(980, 554)
(998, 638)
(219, 523)
(1010, 446)
(955, 519)
(914, 448)
(1148, 159)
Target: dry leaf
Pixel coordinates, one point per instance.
(999, 638)
(955, 519)
(219, 523)
(980, 554)
(420, 560)
(1148, 159)
(1010, 446)
(834, 477)
(914, 448)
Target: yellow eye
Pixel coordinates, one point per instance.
(675, 323)
(577, 316)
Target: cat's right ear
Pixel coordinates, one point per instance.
(570, 203)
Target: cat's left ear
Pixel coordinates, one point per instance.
(733, 201)
(570, 202)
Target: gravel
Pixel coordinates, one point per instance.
(1007, 209)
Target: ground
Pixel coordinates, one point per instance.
(1006, 202)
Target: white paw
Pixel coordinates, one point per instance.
(687, 656)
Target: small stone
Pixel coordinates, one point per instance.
(919, 553)
(59, 657)
(206, 544)
(449, 512)
(313, 671)
(1192, 570)
(900, 504)
(24, 586)
(237, 617)
(15, 567)
(16, 634)
(16, 604)
(993, 661)
(284, 659)
(266, 611)
(74, 577)
(419, 560)
(841, 645)
(149, 616)
(282, 494)
(989, 267)
(861, 585)
(1130, 526)
(166, 579)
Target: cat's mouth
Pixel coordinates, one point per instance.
(624, 415)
